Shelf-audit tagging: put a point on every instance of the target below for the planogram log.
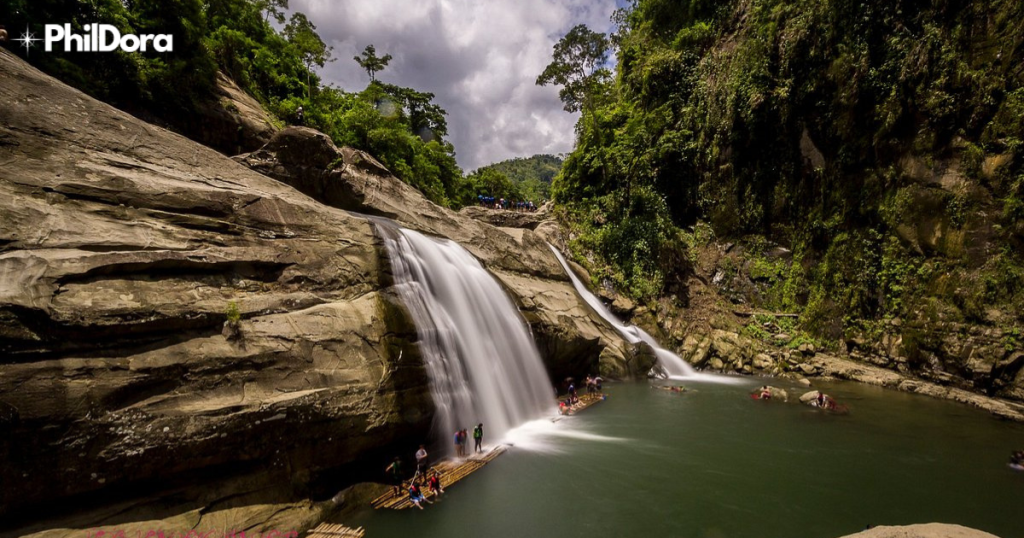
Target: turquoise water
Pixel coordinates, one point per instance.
(712, 463)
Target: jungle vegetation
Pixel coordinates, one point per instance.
(879, 143)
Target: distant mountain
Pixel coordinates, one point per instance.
(521, 169)
(532, 175)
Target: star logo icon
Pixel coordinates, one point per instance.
(28, 39)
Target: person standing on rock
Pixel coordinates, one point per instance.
(458, 443)
(299, 113)
(478, 437)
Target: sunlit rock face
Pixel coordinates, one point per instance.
(124, 252)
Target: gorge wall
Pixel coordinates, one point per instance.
(171, 320)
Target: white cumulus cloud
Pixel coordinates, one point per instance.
(479, 57)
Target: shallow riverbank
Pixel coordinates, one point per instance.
(827, 366)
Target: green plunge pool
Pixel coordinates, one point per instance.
(713, 463)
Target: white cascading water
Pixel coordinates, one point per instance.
(483, 364)
(673, 364)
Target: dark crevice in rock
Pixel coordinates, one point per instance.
(154, 201)
(180, 269)
(29, 335)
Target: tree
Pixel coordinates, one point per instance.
(490, 182)
(371, 63)
(302, 35)
(577, 66)
(424, 115)
(275, 8)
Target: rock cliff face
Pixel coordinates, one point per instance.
(122, 249)
(230, 121)
(573, 341)
(172, 321)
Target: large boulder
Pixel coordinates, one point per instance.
(229, 120)
(927, 530)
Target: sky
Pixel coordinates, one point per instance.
(480, 58)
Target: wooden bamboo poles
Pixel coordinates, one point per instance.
(333, 530)
(452, 471)
(586, 401)
(449, 471)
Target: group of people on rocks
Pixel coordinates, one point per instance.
(425, 476)
(461, 437)
(501, 203)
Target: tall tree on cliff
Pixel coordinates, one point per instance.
(302, 35)
(578, 65)
(369, 61)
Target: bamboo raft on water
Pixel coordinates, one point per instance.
(586, 401)
(334, 530)
(449, 471)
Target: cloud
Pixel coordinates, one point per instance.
(479, 57)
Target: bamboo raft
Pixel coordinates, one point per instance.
(334, 530)
(586, 401)
(449, 471)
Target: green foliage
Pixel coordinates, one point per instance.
(312, 51)
(491, 182)
(577, 66)
(634, 253)
(812, 124)
(232, 313)
(402, 127)
(1013, 340)
(1013, 204)
(272, 8)
(175, 81)
(532, 176)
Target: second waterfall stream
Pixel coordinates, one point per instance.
(672, 364)
(483, 364)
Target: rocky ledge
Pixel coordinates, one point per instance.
(572, 339)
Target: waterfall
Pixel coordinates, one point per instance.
(673, 364)
(480, 356)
